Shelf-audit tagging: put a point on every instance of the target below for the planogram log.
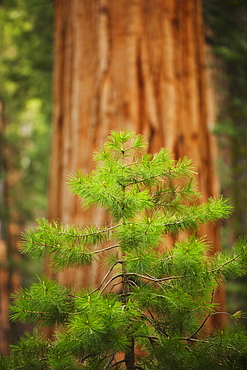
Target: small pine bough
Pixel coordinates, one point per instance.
(151, 307)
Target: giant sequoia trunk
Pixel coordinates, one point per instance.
(127, 64)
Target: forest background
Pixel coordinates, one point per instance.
(26, 65)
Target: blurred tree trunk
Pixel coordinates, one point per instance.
(4, 299)
(128, 64)
(4, 274)
(10, 228)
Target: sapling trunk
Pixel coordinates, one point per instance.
(130, 353)
(130, 357)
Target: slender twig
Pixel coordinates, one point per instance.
(221, 313)
(206, 318)
(151, 314)
(157, 280)
(161, 287)
(200, 327)
(101, 231)
(162, 174)
(195, 340)
(113, 286)
(111, 358)
(34, 350)
(84, 358)
(113, 197)
(208, 341)
(42, 244)
(117, 363)
(109, 282)
(226, 263)
(108, 363)
(78, 252)
(152, 340)
(153, 323)
(39, 312)
(168, 278)
(132, 283)
(106, 276)
(104, 249)
(174, 223)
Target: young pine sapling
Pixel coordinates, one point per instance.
(150, 309)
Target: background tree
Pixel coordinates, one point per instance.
(119, 64)
(226, 35)
(25, 116)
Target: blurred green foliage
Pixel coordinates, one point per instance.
(226, 23)
(25, 90)
(226, 29)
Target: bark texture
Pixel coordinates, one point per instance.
(128, 64)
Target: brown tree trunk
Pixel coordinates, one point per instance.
(10, 228)
(4, 299)
(4, 274)
(127, 64)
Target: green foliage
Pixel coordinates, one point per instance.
(226, 20)
(45, 301)
(30, 353)
(25, 91)
(153, 298)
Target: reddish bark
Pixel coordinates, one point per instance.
(122, 64)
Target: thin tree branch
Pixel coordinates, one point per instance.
(150, 278)
(221, 313)
(108, 363)
(78, 252)
(120, 282)
(206, 318)
(101, 231)
(200, 327)
(155, 279)
(109, 282)
(117, 363)
(226, 263)
(154, 324)
(208, 341)
(104, 249)
(106, 276)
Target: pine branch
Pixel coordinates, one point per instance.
(117, 363)
(112, 357)
(226, 263)
(105, 249)
(156, 280)
(101, 231)
(110, 281)
(106, 276)
(210, 343)
(154, 323)
(205, 320)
